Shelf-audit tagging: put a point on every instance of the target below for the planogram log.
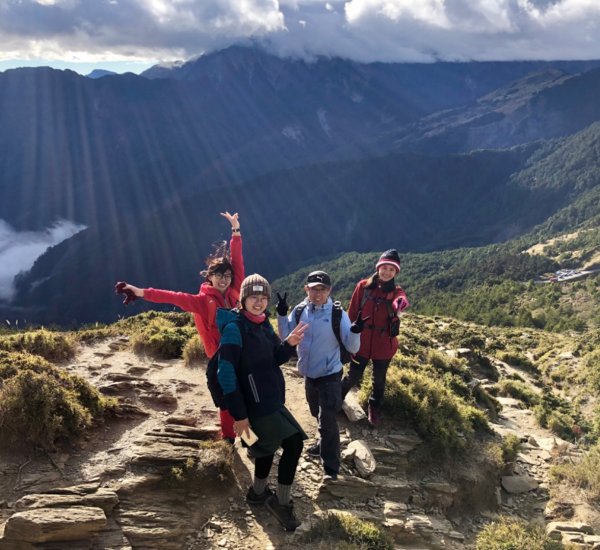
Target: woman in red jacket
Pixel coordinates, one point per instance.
(224, 276)
(376, 302)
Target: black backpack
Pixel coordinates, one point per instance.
(336, 320)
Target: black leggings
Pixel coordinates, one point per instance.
(292, 449)
(355, 374)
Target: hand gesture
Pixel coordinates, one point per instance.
(402, 303)
(132, 293)
(358, 325)
(296, 336)
(232, 218)
(282, 305)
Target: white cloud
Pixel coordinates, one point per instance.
(365, 30)
(19, 250)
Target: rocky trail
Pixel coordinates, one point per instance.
(145, 480)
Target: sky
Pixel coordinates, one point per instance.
(131, 35)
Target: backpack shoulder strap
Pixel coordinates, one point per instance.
(336, 321)
(298, 311)
(366, 295)
(388, 303)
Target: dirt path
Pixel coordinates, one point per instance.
(217, 516)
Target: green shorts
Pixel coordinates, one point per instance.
(272, 430)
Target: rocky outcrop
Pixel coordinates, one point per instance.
(55, 524)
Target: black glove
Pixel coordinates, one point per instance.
(129, 295)
(358, 325)
(282, 305)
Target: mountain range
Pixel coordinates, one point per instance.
(318, 157)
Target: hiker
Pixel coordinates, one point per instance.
(254, 393)
(381, 301)
(319, 361)
(224, 275)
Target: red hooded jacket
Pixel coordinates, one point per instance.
(375, 339)
(204, 305)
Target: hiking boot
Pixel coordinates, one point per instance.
(283, 512)
(329, 477)
(255, 499)
(374, 416)
(314, 449)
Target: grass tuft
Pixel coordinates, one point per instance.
(193, 351)
(52, 346)
(348, 532)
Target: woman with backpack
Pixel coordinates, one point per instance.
(377, 301)
(253, 389)
(224, 274)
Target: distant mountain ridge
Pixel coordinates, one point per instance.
(318, 158)
(430, 202)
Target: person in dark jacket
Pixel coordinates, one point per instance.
(253, 387)
(378, 300)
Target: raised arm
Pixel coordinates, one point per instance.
(235, 249)
(183, 300)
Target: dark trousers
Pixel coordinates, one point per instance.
(355, 374)
(324, 396)
(292, 449)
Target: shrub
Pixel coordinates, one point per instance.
(591, 362)
(516, 360)
(53, 346)
(40, 404)
(518, 390)
(344, 528)
(585, 474)
(139, 322)
(437, 413)
(557, 415)
(488, 402)
(193, 351)
(511, 534)
(510, 448)
(162, 338)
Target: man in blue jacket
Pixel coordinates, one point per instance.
(319, 361)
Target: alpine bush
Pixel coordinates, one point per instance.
(41, 404)
(53, 346)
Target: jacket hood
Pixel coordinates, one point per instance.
(225, 316)
(207, 288)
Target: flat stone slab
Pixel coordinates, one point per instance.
(570, 526)
(519, 484)
(350, 487)
(55, 524)
(102, 498)
(404, 442)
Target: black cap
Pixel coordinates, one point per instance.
(316, 278)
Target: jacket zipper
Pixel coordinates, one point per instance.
(253, 388)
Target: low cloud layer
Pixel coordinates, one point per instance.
(365, 30)
(19, 250)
